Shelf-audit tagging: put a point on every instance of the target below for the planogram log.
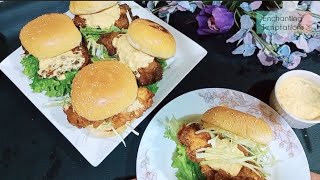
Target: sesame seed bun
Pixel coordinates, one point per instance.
(50, 35)
(89, 7)
(238, 123)
(151, 38)
(103, 89)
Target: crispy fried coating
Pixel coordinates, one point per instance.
(150, 74)
(122, 22)
(193, 141)
(143, 102)
(147, 75)
(246, 172)
(79, 22)
(106, 40)
(79, 121)
(84, 52)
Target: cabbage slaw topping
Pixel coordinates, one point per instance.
(259, 156)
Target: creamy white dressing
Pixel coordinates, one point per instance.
(134, 58)
(300, 97)
(58, 65)
(220, 153)
(103, 19)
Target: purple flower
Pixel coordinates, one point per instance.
(247, 48)
(246, 26)
(214, 19)
(289, 60)
(266, 59)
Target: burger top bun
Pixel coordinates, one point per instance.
(89, 7)
(238, 123)
(151, 38)
(103, 89)
(50, 35)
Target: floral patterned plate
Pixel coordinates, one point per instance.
(155, 151)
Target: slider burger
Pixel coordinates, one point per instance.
(54, 53)
(97, 17)
(226, 144)
(105, 98)
(145, 48)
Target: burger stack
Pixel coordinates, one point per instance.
(67, 57)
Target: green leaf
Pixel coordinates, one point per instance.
(162, 62)
(187, 169)
(153, 87)
(97, 31)
(31, 66)
(51, 86)
(103, 56)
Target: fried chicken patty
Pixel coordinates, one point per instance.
(122, 22)
(74, 59)
(136, 109)
(147, 75)
(192, 141)
(150, 74)
(106, 40)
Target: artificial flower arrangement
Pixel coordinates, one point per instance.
(272, 28)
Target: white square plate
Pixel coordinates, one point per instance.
(95, 150)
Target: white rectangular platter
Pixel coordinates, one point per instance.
(95, 150)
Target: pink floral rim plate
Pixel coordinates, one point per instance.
(155, 151)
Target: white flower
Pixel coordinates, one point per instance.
(290, 5)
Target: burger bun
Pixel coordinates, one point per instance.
(151, 38)
(50, 35)
(89, 7)
(103, 89)
(238, 123)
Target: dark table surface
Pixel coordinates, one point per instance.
(32, 148)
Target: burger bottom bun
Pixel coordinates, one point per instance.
(104, 133)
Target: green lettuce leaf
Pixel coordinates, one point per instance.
(187, 169)
(162, 62)
(31, 66)
(104, 56)
(153, 87)
(51, 86)
(91, 35)
(97, 31)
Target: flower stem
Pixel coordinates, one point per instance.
(263, 43)
(313, 14)
(235, 19)
(275, 2)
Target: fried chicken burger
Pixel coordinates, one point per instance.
(145, 48)
(105, 98)
(98, 17)
(225, 144)
(54, 52)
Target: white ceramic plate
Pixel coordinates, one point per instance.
(155, 151)
(95, 150)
